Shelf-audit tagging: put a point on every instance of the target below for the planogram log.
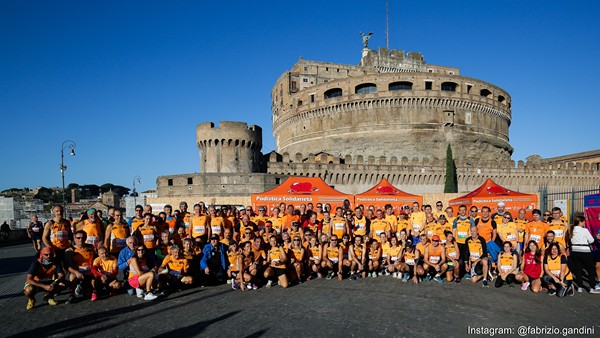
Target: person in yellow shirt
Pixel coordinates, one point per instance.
(452, 257)
(315, 255)
(277, 221)
(277, 259)
(332, 258)
(373, 259)
(105, 270)
(378, 226)
(147, 235)
(116, 234)
(358, 258)
(297, 259)
(536, 229)
(416, 219)
(561, 228)
(360, 224)
(558, 278)
(521, 223)
(403, 223)
(57, 233)
(137, 220)
(450, 215)
(439, 209)
(339, 224)
(507, 265)
(391, 218)
(442, 227)
(507, 231)
(393, 258)
(319, 211)
(173, 272)
(409, 267)
(260, 218)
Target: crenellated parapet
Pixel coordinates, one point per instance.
(232, 147)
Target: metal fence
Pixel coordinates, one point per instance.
(573, 197)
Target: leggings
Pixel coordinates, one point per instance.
(510, 280)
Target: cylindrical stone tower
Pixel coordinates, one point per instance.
(232, 147)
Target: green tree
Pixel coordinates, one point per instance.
(451, 183)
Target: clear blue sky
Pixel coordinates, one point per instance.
(129, 81)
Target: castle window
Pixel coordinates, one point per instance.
(190, 180)
(299, 103)
(402, 85)
(501, 99)
(428, 85)
(449, 86)
(170, 182)
(305, 68)
(469, 87)
(485, 93)
(333, 92)
(305, 80)
(326, 69)
(312, 98)
(365, 88)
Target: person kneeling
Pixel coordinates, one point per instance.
(45, 274)
(173, 270)
(105, 271)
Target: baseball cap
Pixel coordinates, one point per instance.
(435, 238)
(91, 211)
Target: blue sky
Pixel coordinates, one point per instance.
(129, 81)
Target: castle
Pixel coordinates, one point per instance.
(391, 116)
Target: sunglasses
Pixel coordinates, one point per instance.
(334, 240)
(507, 217)
(439, 205)
(46, 255)
(546, 214)
(296, 240)
(141, 250)
(79, 237)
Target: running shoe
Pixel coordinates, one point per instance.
(229, 281)
(150, 296)
(457, 280)
(405, 277)
(524, 286)
(485, 283)
(395, 275)
(234, 284)
(595, 290)
(374, 274)
(30, 303)
(254, 286)
(352, 277)
(51, 301)
(551, 292)
(94, 296)
(438, 279)
(467, 276)
(319, 275)
(269, 283)
(580, 289)
(139, 292)
(70, 300)
(330, 275)
(78, 289)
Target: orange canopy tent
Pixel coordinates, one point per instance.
(490, 193)
(301, 190)
(385, 193)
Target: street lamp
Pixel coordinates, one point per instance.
(137, 179)
(65, 145)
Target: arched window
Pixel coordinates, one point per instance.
(485, 92)
(333, 92)
(402, 85)
(365, 88)
(449, 86)
(501, 99)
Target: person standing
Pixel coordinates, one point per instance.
(34, 232)
(57, 233)
(581, 255)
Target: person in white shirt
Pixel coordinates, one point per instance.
(581, 255)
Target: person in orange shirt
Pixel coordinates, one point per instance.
(93, 228)
(434, 261)
(373, 259)
(439, 209)
(561, 228)
(536, 229)
(319, 211)
(146, 234)
(339, 224)
(170, 218)
(57, 233)
(137, 220)
(105, 270)
(315, 255)
(277, 221)
(199, 224)
(44, 274)
(332, 258)
(79, 260)
(290, 216)
(116, 234)
(233, 269)
(276, 264)
(173, 272)
(403, 223)
(450, 215)
(183, 218)
(507, 231)
(297, 259)
(260, 219)
(217, 222)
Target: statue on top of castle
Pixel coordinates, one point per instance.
(365, 39)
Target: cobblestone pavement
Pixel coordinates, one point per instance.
(320, 308)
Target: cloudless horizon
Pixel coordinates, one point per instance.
(129, 81)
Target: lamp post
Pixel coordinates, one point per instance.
(65, 145)
(137, 179)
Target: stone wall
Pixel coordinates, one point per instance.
(419, 120)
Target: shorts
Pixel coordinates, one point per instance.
(531, 278)
(134, 282)
(279, 271)
(36, 236)
(411, 270)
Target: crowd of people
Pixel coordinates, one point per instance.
(151, 255)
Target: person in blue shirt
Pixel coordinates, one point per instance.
(214, 261)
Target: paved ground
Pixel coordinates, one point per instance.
(326, 308)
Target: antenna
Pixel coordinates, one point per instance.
(387, 25)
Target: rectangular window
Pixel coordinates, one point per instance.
(294, 86)
(170, 182)
(469, 89)
(190, 180)
(428, 85)
(305, 69)
(312, 98)
(304, 80)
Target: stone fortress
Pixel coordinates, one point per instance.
(392, 116)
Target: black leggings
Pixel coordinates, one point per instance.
(510, 280)
(580, 261)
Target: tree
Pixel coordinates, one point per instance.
(450, 184)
